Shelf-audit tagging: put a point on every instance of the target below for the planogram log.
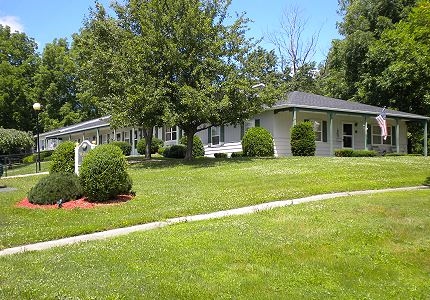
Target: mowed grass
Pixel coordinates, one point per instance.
(166, 189)
(362, 247)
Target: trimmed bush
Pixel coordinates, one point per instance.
(13, 141)
(63, 158)
(161, 150)
(124, 146)
(29, 159)
(156, 144)
(237, 154)
(355, 153)
(303, 139)
(175, 151)
(54, 187)
(103, 174)
(257, 141)
(220, 155)
(198, 148)
(45, 155)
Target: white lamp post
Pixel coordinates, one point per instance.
(37, 107)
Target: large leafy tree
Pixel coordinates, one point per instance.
(363, 23)
(55, 87)
(175, 62)
(18, 64)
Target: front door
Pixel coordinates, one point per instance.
(347, 135)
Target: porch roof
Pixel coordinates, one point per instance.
(80, 127)
(309, 101)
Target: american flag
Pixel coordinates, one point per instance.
(381, 118)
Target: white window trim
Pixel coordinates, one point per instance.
(352, 135)
(171, 131)
(389, 135)
(218, 134)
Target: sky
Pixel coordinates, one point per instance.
(45, 20)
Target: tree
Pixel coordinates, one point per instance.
(173, 62)
(363, 23)
(55, 87)
(18, 63)
(294, 50)
(120, 65)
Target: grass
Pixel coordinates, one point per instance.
(167, 189)
(25, 169)
(363, 247)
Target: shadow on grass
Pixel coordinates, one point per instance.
(427, 182)
(201, 162)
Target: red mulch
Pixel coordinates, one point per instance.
(79, 203)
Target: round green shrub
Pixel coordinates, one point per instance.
(257, 141)
(237, 154)
(220, 155)
(63, 158)
(124, 146)
(29, 159)
(13, 141)
(175, 151)
(198, 148)
(303, 139)
(103, 174)
(156, 144)
(54, 187)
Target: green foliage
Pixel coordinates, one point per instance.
(175, 151)
(237, 154)
(44, 156)
(355, 153)
(29, 159)
(220, 155)
(54, 187)
(63, 158)
(257, 141)
(198, 148)
(13, 141)
(156, 144)
(19, 62)
(124, 146)
(103, 174)
(303, 139)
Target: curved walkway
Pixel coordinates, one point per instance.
(215, 215)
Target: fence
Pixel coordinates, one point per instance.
(11, 161)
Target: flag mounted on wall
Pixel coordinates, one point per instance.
(381, 118)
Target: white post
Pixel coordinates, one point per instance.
(425, 138)
(365, 133)
(397, 136)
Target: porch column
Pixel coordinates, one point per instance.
(294, 116)
(365, 133)
(98, 136)
(397, 136)
(425, 138)
(133, 144)
(330, 132)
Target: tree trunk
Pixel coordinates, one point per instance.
(190, 140)
(147, 134)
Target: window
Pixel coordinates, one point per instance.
(377, 138)
(215, 135)
(318, 129)
(126, 137)
(171, 134)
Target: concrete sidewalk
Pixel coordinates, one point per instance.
(25, 175)
(209, 216)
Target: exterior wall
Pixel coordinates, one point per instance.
(278, 125)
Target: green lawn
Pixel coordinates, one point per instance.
(25, 169)
(167, 189)
(363, 247)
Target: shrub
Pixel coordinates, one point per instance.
(161, 150)
(175, 151)
(103, 173)
(355, 153)
(257, 141)
(220, 155)
(198, 148)
(63, 158)
(29, 159)
(124, 146)
(237, 154)
(54, 187)
(44, 156)
(13, 141)
(156, 144)
(303, 139)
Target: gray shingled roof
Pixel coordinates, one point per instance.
(315, 102)
(87, 125)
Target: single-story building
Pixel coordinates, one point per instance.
(338, 124)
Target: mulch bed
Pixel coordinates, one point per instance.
(79, 203)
